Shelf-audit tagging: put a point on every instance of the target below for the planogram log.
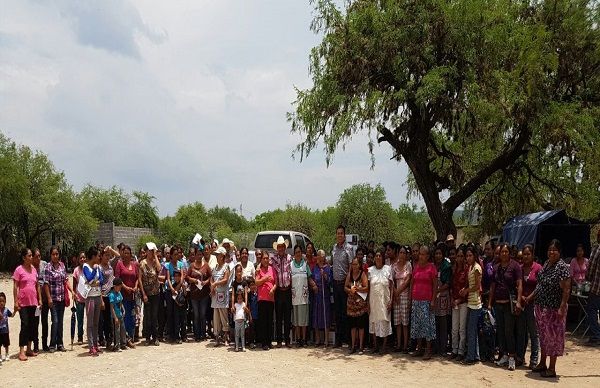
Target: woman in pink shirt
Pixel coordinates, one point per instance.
(423, 283)
(27, 295)
(265, 281)
(579, 265)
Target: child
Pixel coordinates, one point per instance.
(117, 312)
(240, 320)
(253, 306)
(4, 337)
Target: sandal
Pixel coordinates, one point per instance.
(548, 373)
(427, 356)
(539, 368)
(22, 357)
(30, 353)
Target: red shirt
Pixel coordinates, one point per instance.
(129, 275)
(459, 281)
(264, 290)
(423, 277)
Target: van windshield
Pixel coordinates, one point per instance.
(265, 241)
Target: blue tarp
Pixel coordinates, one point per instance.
(541, 227)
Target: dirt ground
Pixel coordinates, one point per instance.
(199, 364)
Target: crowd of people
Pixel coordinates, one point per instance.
(467, 303)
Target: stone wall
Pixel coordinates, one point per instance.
(113, 235)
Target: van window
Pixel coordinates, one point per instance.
(300, 241)
(265, 241)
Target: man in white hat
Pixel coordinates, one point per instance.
(283, 293)
(230, 257)
(450, 242)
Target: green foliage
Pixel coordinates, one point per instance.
(115, 205)
(146, 239)
(187, 221)
(365, 211)
(414, 225)
(37, 201)
(492, 103)
(142, 212)
(297, 217)
(107, 205)
(236, 222)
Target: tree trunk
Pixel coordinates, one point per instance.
(440, 217)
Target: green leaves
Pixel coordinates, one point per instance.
(467, 93)
(37, 201)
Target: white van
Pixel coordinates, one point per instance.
(264, 240)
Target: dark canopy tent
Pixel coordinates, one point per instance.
(541, 227)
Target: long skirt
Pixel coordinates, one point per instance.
(422, 320)
(551, 329)
(322, 311)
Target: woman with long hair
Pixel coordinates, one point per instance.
(28, 296)
(551, 302)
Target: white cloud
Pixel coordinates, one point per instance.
(185, 100)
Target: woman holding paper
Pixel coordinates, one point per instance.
(357, 287)
(380, 301)
(92, 279)
(28, 298)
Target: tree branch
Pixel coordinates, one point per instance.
(502, 161)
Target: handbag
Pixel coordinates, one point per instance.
(83, 288)
(67, 295)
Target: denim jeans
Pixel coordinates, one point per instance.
(119, 333)
(80, 309)
(57, 313)
(473, 335)
(129, 317)
(459, 328)
(105, 330)
(592, 308)
(240, 334)
(508, 328)
(92, 311)
(150, 324)
(283, 314)
(530, 333)
(43, 318)
(200, 308)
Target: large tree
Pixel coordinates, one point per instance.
(467, 93)
(37, 200)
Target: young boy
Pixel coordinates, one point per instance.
(117, 312)
(241, 312)
(253, 306)
(4, 337)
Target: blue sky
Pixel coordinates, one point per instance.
(183, 99)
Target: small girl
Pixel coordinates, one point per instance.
(117, 311)
(4, 337)
(241, 312)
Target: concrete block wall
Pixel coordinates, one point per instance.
(105, 233)
(113, 235)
